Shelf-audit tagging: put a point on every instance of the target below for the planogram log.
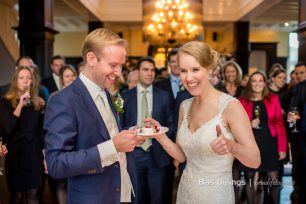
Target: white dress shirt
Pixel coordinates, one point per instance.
(107, 150)
(139, 98)
(57, 81)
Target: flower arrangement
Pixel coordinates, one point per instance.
(118, 101)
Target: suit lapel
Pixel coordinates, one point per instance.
(170, 87)
(113, 109)
(133, 106)
(81, 90)
(155, 102)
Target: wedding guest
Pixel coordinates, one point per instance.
(132, 79)
(67, 75)
(298, 101)
(21, 120)
(151, 160)
(264, 111)
(26, 61)
(232, 74)
(244, 80)
(53, 82)
(171, 84)
(81, 67)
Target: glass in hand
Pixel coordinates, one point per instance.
(257, 112)
(28, 101)
(295, 112)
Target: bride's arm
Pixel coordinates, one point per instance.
(173, 149)
(245, 148)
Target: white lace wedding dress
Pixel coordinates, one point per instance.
(207, 177)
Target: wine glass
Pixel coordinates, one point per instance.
(257, 112)
(28, 101)
(1, 167)
(295, 112)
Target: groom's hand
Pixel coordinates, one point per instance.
(126, 141)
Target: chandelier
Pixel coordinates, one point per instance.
(172, 23)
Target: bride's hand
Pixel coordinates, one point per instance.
(151, 122)
(221, 145)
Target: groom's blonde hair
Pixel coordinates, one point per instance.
(98, 39)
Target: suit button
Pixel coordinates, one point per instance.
(116, 165)
(117, 189)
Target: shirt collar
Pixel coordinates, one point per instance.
(141, 88)
(175, 78)
(93, 89)
(55, 76)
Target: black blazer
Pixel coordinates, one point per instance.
(50, 84)
(25, 141)
(299, 99)
(3, 90)
(165, 84)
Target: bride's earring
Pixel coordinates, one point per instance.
(209, 77)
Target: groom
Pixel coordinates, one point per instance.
(83, 138)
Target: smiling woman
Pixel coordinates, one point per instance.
(208, 142)
(266, 118)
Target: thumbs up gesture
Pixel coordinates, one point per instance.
(221, 145)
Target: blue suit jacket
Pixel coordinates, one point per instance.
(74, 127)
(162, 111)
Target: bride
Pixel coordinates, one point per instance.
(213, 129)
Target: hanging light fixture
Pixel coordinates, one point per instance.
(172, 23)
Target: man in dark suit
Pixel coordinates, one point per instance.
(298, 140)
(151, 160)
(83, 138)
(53, 82)
(171, 84)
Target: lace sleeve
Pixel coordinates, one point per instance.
(225, 100)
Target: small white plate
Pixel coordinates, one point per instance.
(161, 131)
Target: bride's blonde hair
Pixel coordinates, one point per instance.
(204, 55)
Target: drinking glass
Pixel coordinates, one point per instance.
(295, 112)
(257, 112)
(28, 101)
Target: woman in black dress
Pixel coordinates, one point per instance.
(232, 74)
(21, 120)
(264, 111)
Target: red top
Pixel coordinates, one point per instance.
(275, 118)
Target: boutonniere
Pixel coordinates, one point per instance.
(182, 87)
(118, 101)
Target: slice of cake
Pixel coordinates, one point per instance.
(148, 130)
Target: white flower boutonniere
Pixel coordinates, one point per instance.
(118, 101)
(182, 87)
